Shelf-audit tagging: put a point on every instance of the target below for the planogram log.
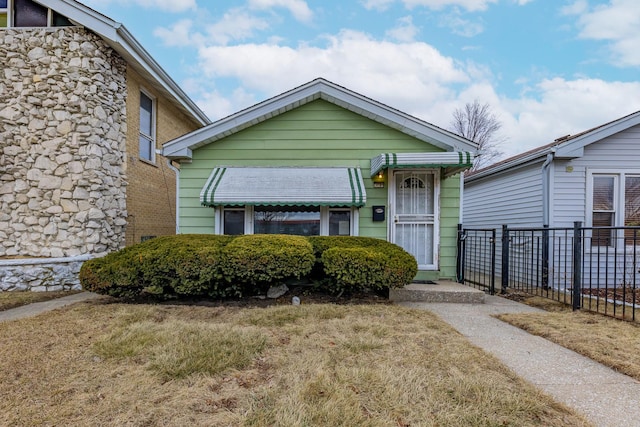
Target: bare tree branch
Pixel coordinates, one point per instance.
(478, 123)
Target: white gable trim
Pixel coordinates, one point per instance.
(330, 92)
(576, 146)
(121, 40)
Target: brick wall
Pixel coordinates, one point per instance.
(151, 193)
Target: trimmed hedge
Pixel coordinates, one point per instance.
(356, 263)
(232, 266)
(165, 266)
(259, 260)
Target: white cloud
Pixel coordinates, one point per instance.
(298, 8)
(558, 107)
(403, 75)
(380, 5)
(236, 24)
(165, 5)
(470, 5)
(616, 22)
(179, 34)
(460, 26)
(405, 31)
(576, 8)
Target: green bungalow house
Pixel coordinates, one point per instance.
(323, 160)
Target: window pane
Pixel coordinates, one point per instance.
(339, 223)
(233, 222)
(29, 14)
(632, 209)
(146, 114)
(3, 4)
(60, 20)
(632, 201)
(602, 237)
(302, 221)
(146, 148)
(3, 20)
(603, 187)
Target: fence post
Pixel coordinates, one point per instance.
(505, 259)
(460, 256)
(577, 265)
(492, 288)
(545, 257)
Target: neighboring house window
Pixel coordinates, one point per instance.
(27, 13)
(301, 220)
(615, 202)
(147, 128)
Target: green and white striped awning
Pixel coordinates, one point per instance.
(453, 160)
(284, 186)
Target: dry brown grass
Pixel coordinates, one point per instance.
(554, 300)
(612, 342)
(99, 363)
(17, 298)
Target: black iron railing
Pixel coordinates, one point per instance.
(590, 268)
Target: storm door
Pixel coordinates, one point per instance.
(414, 225)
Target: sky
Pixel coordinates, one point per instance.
(547, 68)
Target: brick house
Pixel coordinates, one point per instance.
(83, 109)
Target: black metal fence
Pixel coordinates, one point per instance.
(590, 268)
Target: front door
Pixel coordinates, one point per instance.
(414, 225)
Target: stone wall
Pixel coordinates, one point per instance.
(62, 143)
(44, 274)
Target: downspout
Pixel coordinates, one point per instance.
(546, 184)
(461, 216)
(177, 172)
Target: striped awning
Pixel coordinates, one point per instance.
(456, 160)
(284, 186)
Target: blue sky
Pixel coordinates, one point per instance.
(547, 68)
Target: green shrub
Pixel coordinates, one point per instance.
(233, 266)
(260, 260)
(182, 265)
(355, 263)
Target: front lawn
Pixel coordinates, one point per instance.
(106, 363)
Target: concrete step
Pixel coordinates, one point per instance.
(441, 291)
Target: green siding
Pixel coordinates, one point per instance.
(315, 134)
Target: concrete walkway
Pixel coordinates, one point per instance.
(603, 396)
(41, 307)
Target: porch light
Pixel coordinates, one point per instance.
(378, 177)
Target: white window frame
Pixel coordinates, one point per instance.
(324, 218)
(618, 198)
(150, 138)
(8, 11)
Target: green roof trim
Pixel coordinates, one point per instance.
(453, 161)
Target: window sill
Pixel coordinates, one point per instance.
(148, 162)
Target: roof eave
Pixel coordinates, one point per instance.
(320, 89)
(519, 162)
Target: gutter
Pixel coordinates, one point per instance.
(546, 186)
(177, 172)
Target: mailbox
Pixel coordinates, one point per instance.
(378, 213)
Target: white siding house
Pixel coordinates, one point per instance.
(592, 177)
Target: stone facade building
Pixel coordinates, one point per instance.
(83, 109)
